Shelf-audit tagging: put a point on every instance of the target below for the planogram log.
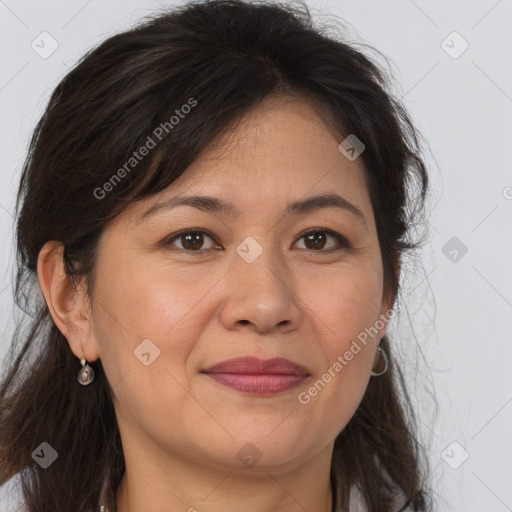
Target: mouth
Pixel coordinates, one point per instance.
(256, 376)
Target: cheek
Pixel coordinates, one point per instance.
(346, 303)
(347, 319)
(136, 303)
(147, 320)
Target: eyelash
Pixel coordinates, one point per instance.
(343, 242)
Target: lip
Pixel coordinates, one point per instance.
(258, 376)
(250, 365)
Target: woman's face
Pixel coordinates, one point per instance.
(167, 307)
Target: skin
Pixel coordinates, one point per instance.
(181, 431)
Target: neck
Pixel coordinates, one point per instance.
(191, 488)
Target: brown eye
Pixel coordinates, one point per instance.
(191, 241)
(316, 241)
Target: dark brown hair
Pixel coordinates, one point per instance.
(227, 56)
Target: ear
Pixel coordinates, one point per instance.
(69, 307)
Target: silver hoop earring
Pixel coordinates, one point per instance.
(86, 373)
(383, 355)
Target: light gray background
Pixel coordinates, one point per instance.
(461, 344)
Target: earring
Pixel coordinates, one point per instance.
(86, 373)
(382, 356)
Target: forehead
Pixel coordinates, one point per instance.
(279, 153)
(279, 149)
(283, 133)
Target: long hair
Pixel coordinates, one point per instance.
(222, 58)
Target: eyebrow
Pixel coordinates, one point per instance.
(215, 205)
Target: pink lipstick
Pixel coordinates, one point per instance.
(258, 376)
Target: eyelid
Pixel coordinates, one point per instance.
(340, 238)
(168, 240)
(343, 242)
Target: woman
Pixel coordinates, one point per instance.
(214, 208)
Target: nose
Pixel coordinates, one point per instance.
(259, 297)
